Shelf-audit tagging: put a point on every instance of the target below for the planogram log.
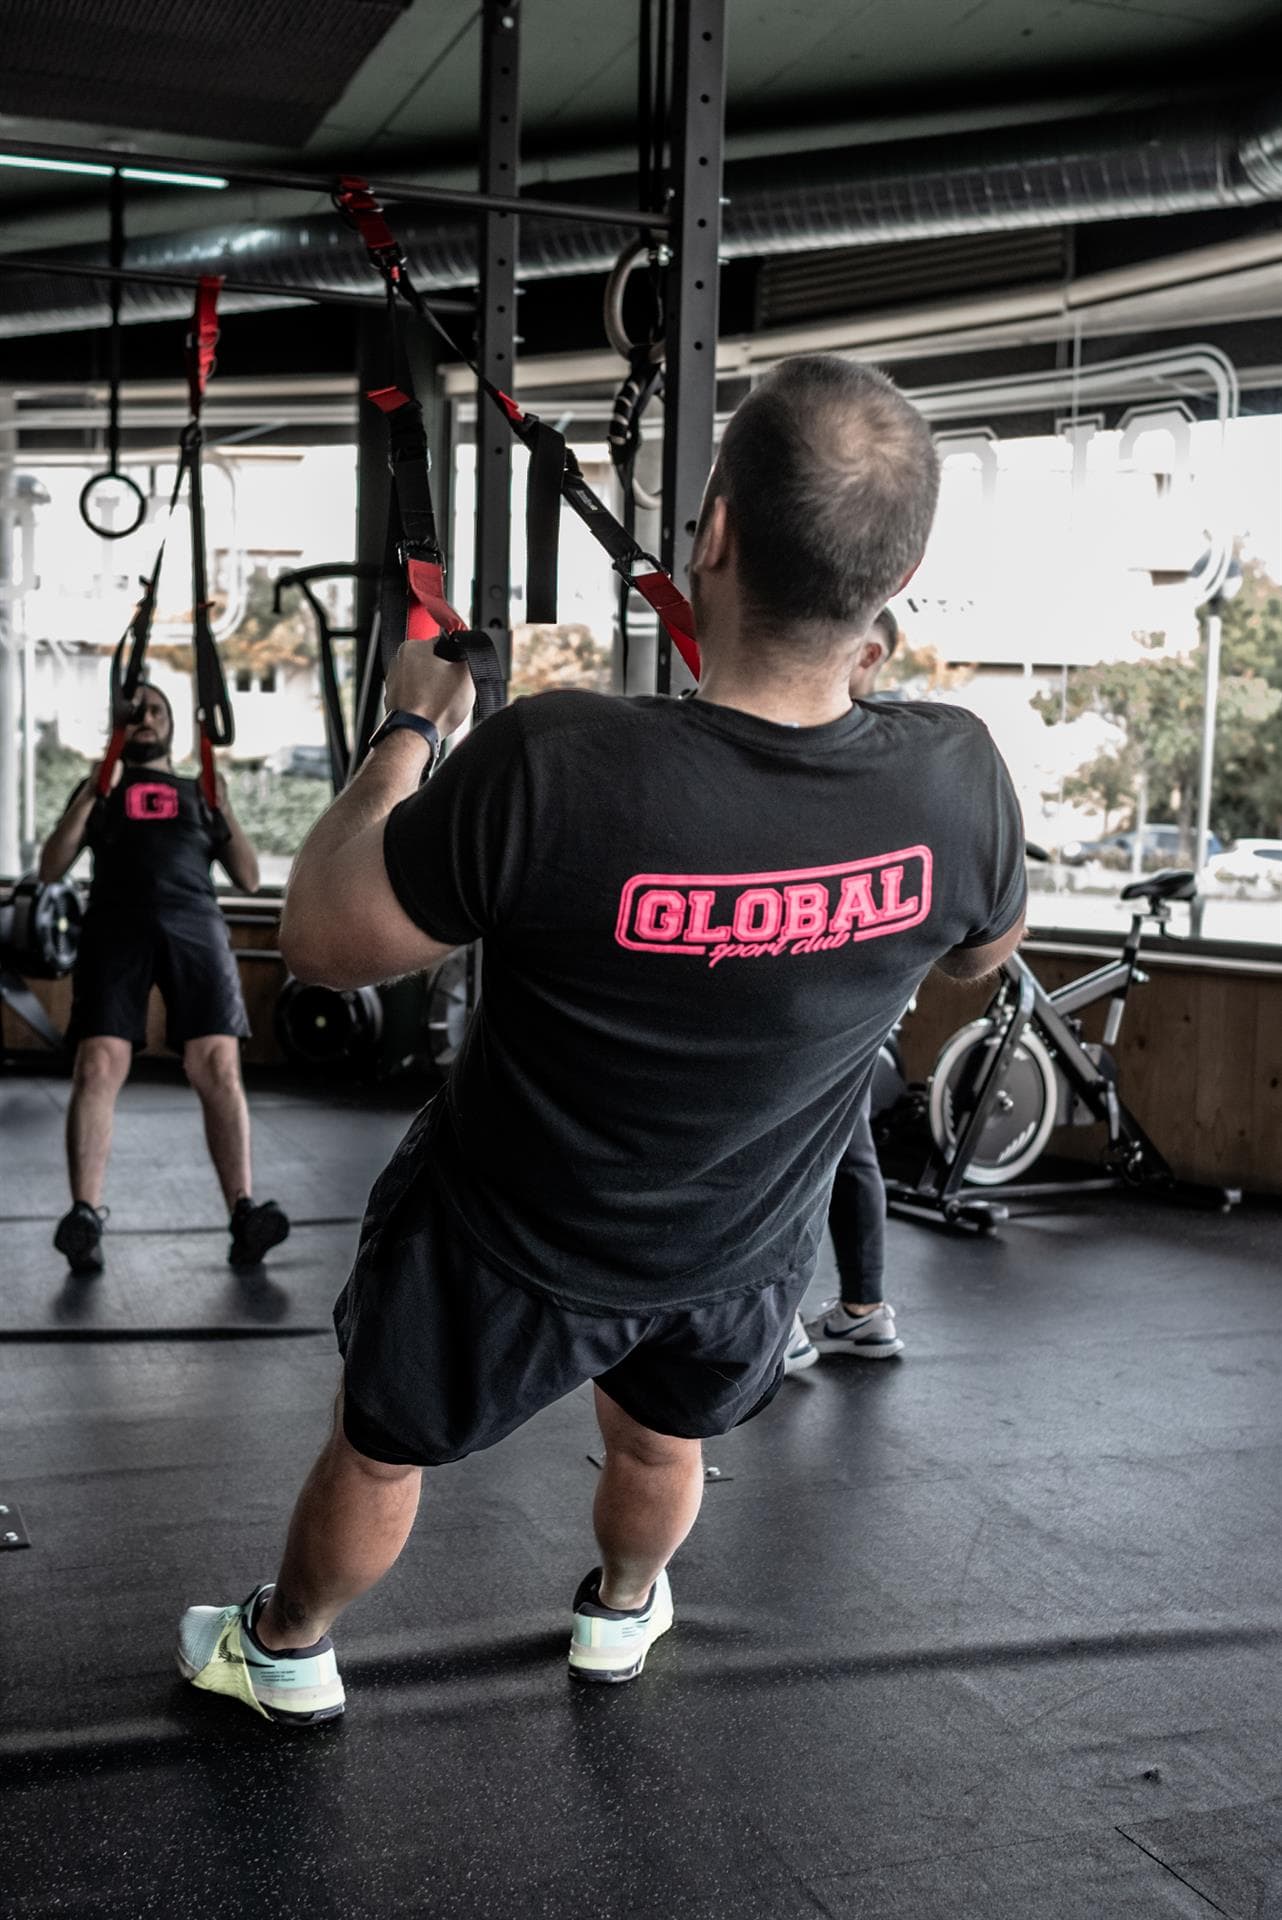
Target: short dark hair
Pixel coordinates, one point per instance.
(830, 478)
(888, 627)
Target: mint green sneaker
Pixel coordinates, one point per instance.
(608, 1645)
(217, 1651)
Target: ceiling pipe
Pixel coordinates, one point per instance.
(1054, 176)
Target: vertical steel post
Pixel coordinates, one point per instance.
(1214, 628)
(1210, 703)
(690, 378)
(496, 318)
(10, 777)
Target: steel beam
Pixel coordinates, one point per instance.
(690, 378)
(496, 317)
(144, 277)
(409, 193)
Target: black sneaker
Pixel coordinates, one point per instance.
(79, 1235)
(255, 1231)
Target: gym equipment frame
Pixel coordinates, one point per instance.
(1003, 1083)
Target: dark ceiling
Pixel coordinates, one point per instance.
(394, 91)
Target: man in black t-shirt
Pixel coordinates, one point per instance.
(701, 918)
(154, 919)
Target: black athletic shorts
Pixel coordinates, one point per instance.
(444, 1357)
(189, 959)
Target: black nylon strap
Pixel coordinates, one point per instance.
(213, 704)
(543, 521)
(393, 597)
(483, 663)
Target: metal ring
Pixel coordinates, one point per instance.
(120, 480)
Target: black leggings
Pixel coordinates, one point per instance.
(857, 1216)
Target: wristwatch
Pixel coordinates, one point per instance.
(416, 724)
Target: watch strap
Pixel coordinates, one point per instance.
(415, 723)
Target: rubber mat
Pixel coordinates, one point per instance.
(1231, 1857)
(161, 1283)
(318, 1160)
(991, 1630)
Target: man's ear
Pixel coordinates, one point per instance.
(712, 548)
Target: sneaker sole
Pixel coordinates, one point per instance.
(283, 1716)
(864, 1349)
(802, 1361)
(582, 1662)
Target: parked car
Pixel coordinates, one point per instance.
(1161, 849)
(309, 762)
(1256, 864)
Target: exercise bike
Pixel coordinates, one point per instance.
(1004, 1082)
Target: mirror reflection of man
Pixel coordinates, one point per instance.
(154, 920)
(862, 1321)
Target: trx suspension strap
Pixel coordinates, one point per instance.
(412, 605)
(555, 474)
(213, 708)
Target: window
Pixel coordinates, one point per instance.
(1063, 599)
(269, 509)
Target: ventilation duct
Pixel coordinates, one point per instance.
(1005, 183)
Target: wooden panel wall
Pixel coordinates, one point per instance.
(1200, 1055)
(260, 979)
(1200, 1062)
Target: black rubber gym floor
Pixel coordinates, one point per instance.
(991, 1631)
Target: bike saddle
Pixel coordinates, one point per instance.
(1172, 883)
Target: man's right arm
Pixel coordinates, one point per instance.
(976, 963)
(68, 837)
(999, 869)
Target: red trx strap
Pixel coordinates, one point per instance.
(554, 470)
(213, 708)
(413, 605)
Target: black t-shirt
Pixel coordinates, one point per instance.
(699, 927)
(152, 841)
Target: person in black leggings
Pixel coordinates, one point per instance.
(861, 1322)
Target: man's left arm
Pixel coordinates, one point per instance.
(343, 924)
(237, 854)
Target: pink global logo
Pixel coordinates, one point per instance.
(740, 916)
(150, 800)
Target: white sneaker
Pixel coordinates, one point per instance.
(218, 1652)
(871, 1336)
(801, 1350)
(608, 1645)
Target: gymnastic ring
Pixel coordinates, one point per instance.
(615, 287)
(121, 480)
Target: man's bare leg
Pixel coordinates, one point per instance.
(352, 1518)
(212, 1064)
(101, 1069)
(647, 1501)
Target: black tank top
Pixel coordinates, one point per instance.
(152, 841)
